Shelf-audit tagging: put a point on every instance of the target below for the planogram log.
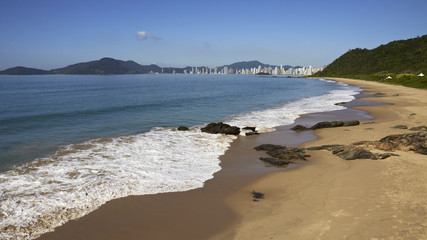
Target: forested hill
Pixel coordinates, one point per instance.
(398, 57)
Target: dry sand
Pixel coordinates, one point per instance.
(331, 198)
(327, 198)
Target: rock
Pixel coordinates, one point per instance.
(351, 123)
(300, 128)
(400, 127)
(183, 128)
(326, 147)
(412, 114)
(335, 124)
(281, 155)
(251, 133)
(340, 103)
(378, 94)
(386, 155)
(419, 128)
(395, 95)
(369, 128)
(248, 131)
(268, 147)
(406, 142)
(222, 128)
(321, 125)
(257, 195)
(355, 152)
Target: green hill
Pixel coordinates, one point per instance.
(403, 60)
(23, 71)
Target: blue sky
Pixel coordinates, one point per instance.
(50, 34)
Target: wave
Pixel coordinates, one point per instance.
(38, 196)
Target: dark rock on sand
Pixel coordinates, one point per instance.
(252, 131)
(378, 94)
(419, 128)
(351, 123)
(222, 128)
(327, 147)
(300, 128)
(257, 195)
(407, 142)
(182, 128)
(400, 127)
(282, 155)
(355, 152)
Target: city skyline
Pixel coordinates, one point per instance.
(48, 34)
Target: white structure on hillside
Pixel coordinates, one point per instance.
(421, 75)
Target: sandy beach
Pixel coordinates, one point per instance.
(332, 198)
(325, 198)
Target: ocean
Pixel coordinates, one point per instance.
(70, 143)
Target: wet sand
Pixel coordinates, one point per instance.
(223, 208)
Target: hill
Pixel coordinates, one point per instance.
(403, 60)
(106, 66)
(23, 71)
(114, 66)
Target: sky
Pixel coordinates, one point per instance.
(49, 34)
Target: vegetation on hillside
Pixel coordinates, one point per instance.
(402, 60)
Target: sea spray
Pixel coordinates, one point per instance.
(43, 194)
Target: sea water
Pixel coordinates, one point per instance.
(68, 144)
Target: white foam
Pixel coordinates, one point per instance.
(44, 194)
(266, 120)
(41, 195)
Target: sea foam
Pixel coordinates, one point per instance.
(43, 194)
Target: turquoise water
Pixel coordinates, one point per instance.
(69, 144)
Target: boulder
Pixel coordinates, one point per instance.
(406, 142)
(351, 123)
(419, 128)
(257, 195)
(355, 152)
(400, 127)
(281, 155)
(221, 128)
(183, 128)
(321, 125)
(327, 125)
(300, 128)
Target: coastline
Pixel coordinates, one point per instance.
(331, 198)
(202, 213)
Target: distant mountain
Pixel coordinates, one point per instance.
(23, 71)
(403, 56)
(114, 66)
(106, 66)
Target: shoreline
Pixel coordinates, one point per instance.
(332, 198)
(212, 212)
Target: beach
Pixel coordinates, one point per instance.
(324, 198)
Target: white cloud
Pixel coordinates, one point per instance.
(144, 35)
